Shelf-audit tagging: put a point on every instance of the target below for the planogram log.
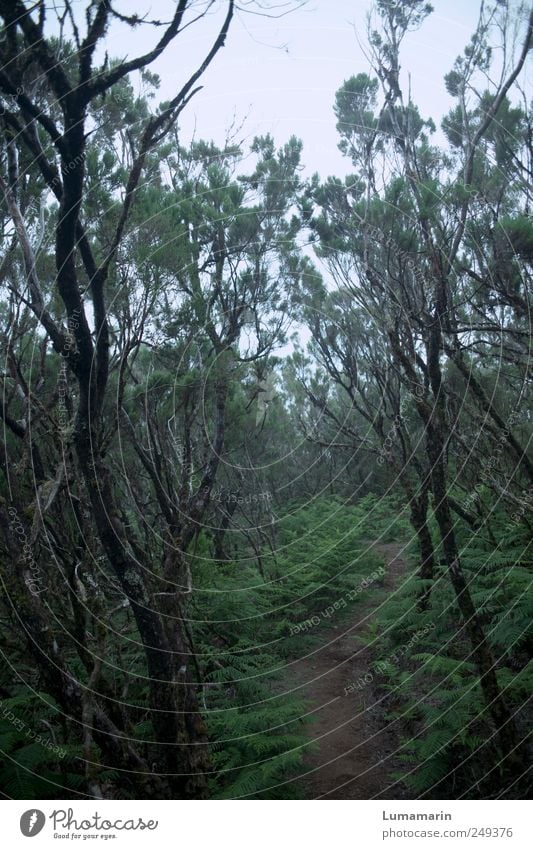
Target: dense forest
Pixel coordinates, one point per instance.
(266, 500)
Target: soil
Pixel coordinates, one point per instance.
(353, 752)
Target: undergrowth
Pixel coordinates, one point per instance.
(426, 678)
(323, 565)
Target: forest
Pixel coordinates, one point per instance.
(266, 486)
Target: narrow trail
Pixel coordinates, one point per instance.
(349, 757)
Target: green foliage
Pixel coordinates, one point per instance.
(432, 687)
(257, 728)
(35, 763)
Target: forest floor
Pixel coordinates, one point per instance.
(353, 751)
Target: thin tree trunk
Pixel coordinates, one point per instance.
(506, 730)
(426, 570)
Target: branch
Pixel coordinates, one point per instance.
(489, 117)
(15, 13)
(95, 32)
(36, 303)
(105, 81)
(29, 108)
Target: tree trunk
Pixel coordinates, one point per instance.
(177, 754)
(506, 730)
(426, 570)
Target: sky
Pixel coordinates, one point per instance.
(280, 75)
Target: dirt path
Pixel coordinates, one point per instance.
(349, 757)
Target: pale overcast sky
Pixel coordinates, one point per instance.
(283, 73)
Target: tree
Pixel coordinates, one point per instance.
(399, 248)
